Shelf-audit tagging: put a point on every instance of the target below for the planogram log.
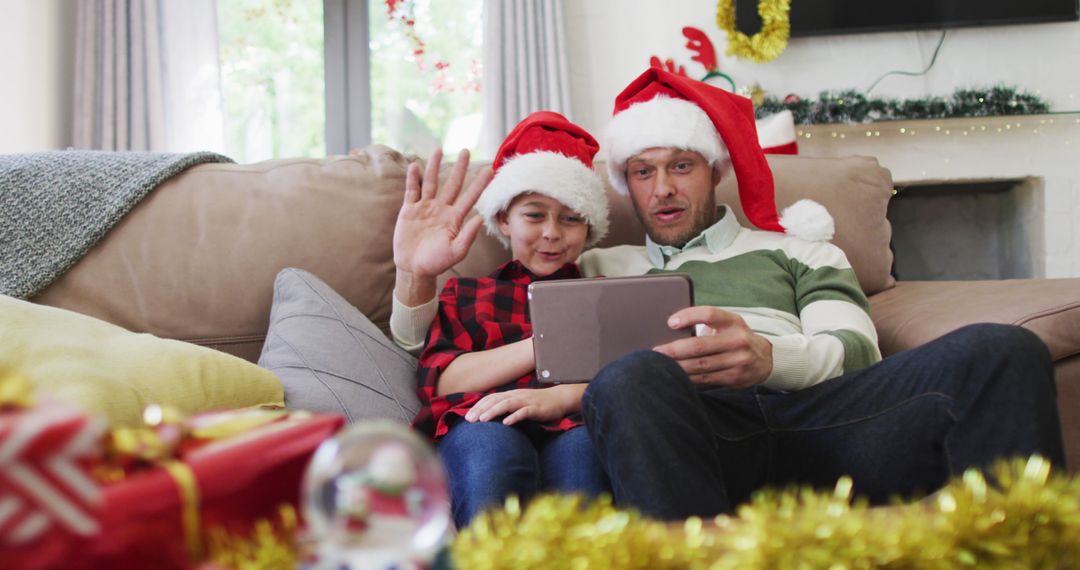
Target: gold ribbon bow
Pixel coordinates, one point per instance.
(15, 391)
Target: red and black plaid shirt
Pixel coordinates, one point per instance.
(478, 314)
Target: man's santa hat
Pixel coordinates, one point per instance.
(662, 109)
(549, 155)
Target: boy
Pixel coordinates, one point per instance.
(497, 429)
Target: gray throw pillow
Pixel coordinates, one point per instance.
(331, 358)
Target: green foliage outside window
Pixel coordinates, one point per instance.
(414, 102)
(273, 87)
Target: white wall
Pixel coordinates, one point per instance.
(610, 42)
(37, 42)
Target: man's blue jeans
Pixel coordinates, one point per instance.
(900, 428)
(488, 461)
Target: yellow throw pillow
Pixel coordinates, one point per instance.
(106, 369)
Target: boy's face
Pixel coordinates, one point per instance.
(544, 234)
(673, 193)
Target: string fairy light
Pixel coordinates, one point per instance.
(986, 126)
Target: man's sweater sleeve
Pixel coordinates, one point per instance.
(837, 336)
(409, 325)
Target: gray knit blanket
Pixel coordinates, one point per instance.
(54, 206)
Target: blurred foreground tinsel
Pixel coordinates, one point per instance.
(1026, 518)
(853, 107)
(271, 545)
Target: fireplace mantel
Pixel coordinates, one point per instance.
(1044, 149)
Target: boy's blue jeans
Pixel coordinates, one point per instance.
(488, 461)
(902, 427)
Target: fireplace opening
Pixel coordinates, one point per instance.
(966, 229)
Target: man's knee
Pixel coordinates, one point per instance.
(642, 375)
(1010, 360)
(1002, 334)
(1006, 342)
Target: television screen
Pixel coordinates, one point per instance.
(822, 17)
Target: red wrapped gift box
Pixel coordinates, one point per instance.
(47, 498)
(158, 517)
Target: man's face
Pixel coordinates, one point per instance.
(673, 193)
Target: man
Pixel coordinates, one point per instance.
(784, 383)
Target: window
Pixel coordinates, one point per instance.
(424, 88)
(272, 81)
(425, 69)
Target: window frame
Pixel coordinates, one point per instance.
(347, 70)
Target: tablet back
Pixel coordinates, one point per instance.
(581, 325)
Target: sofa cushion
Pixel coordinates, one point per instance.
(331, 358)
(856, 191)
(108, 370)
(916, 312)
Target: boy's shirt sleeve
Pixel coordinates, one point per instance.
(409, 325)
(448, 338)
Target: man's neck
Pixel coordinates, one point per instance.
(715, 237)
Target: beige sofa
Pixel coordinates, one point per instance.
(196, 260)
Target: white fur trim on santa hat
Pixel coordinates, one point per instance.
(777, 129)
(808, 220)
(659, 122)
(554, 175)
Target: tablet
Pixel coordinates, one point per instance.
(581, 325)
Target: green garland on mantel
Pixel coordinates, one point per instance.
(850, 106)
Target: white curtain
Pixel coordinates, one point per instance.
(525, 66)
(147, 76)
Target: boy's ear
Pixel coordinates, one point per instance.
(503, 221)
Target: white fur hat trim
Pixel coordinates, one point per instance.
(808, 220)
(776, 129)
(659, 122)
(554, 175)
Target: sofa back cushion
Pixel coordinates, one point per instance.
(856, 191)
(196, 259)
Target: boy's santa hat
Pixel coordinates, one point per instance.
(662, 109)
(549, 155)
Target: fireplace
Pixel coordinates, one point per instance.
(977, 198)
(966, 230)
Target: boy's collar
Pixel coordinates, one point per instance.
(514, 270)
(715, 238)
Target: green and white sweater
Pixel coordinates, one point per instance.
(802, 296)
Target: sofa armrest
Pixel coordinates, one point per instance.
(915, 312)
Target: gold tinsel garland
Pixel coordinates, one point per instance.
(765, 45)
(269, 546)
(1027, 518)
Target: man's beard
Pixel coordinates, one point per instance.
(702, 219)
